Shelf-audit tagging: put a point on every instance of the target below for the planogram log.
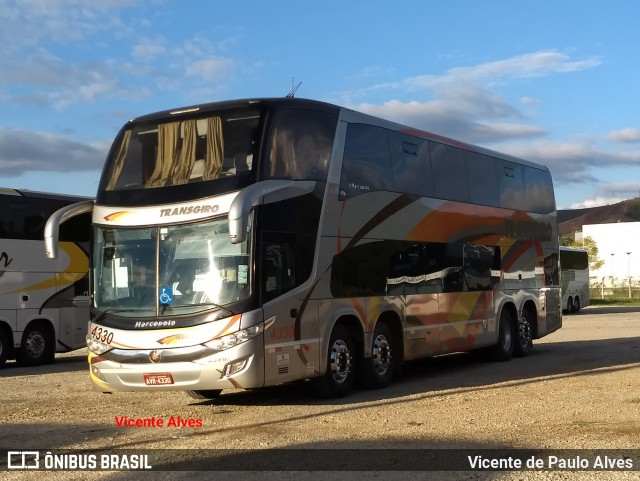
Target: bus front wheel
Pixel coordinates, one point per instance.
(37, 346)
(337, 381)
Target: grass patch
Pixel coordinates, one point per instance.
(613, 301)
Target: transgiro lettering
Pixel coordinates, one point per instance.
(191, 209)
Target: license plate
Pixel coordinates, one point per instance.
(158, 379)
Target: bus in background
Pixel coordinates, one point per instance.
(250, 243)
(44, 305)
(574, 278)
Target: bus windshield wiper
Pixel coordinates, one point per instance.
(200, 304)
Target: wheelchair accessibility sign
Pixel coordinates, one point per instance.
(165, 296)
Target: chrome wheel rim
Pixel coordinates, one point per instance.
(381, 354)
(340, 361)
(35, 344)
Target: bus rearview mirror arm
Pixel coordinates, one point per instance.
(52, 227)
(265, 192)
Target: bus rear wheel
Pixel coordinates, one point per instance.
(377, 371)
(569, 305)
(337, 381)
(36, 347)
(5, 347)
(576, 304)
(524, 342)
(503, 350)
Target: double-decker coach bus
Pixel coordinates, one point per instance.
(249, 243)
(44, 305)
(574, 278)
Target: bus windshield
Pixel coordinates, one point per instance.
(176, 151)
(168, 270)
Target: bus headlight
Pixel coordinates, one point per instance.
(238, 337)
(96, 346)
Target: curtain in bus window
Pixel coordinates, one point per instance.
(119, 164)
(301, 145)
(215, 149)
(281, 153)
(167, 146)
(187, 153)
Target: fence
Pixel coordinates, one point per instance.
(614, 292)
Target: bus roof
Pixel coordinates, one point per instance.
(347, 115)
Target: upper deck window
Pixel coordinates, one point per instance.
(301, 145)
(182, 151)
(366, 165)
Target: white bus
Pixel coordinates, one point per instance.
(574, 278)
(44, 305)
(249, 243)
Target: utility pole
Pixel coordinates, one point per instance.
(612, 271)
(629, 271)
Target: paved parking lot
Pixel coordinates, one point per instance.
(579, 389)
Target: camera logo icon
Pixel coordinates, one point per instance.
(23, 460)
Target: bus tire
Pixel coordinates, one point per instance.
(503, 350)
(524, 341)
(37, 346)
(204, 395)
(337, 381)
(569, 305)
(5, 347)
(377, 371)
(576, 304)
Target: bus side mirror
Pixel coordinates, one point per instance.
(265, 192)
(52, 227)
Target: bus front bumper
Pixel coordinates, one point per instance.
(241, 366)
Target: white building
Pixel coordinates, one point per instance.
(619, 247)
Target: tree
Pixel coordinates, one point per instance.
(587, 244)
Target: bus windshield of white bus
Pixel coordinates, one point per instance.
(169, 270)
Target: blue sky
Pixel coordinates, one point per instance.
(552, 81)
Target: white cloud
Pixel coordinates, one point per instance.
(465, 102)
(209, 68)
(472, 115)
(529, 101)
(569, 161)
(596, 202)
(526, 66)
(625, 189)
(531, 65)
(625, 135)
(149, 49)
(22, 151)
(30, 22)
